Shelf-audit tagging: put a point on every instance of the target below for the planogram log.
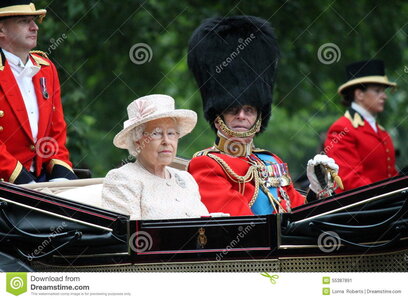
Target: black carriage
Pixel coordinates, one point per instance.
(361, 230)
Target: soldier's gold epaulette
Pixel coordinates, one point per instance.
(42, 53)
(2, 60)
(355, 120)
(39, 60)
(205, 152)
(260, 150)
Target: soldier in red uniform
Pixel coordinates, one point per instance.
(361, 147)
(32, 126)
(233, 60)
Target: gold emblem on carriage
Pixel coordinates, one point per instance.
(201, 238)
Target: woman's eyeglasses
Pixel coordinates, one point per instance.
(158, 134)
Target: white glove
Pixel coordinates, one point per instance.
(326, 161)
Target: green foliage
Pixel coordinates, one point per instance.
(90, 42)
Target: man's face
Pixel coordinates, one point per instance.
(19, 34)
(372, 99)
(240, 118)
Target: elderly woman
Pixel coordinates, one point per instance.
(149, 188)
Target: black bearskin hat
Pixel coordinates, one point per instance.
(234, 60)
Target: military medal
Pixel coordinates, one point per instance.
(266, 176)
(43, 84)
(281, 172)
(270, 173)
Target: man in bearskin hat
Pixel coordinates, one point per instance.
(32, 126)
(361, 147)
(234, 60)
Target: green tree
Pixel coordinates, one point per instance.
(90, 43)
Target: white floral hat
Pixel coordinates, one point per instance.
(153, 107)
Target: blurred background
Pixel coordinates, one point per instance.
(109, 53)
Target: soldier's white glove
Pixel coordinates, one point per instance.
(323, 161)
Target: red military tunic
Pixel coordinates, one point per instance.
(17, 147)
(220, 193)
(363, 155)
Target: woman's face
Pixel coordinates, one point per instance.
(372, 99)
(158, 146)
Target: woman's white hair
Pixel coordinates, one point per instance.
(137, 133)
(133, 136)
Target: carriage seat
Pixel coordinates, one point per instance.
(87, 191)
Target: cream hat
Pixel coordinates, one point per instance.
(16, 8)
(153, 107)
(370, 71)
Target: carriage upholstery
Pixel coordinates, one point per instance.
(86, 191)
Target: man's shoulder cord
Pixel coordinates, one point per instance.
(250, 175)
(205, 152)
(272, 199)
(231, 174)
